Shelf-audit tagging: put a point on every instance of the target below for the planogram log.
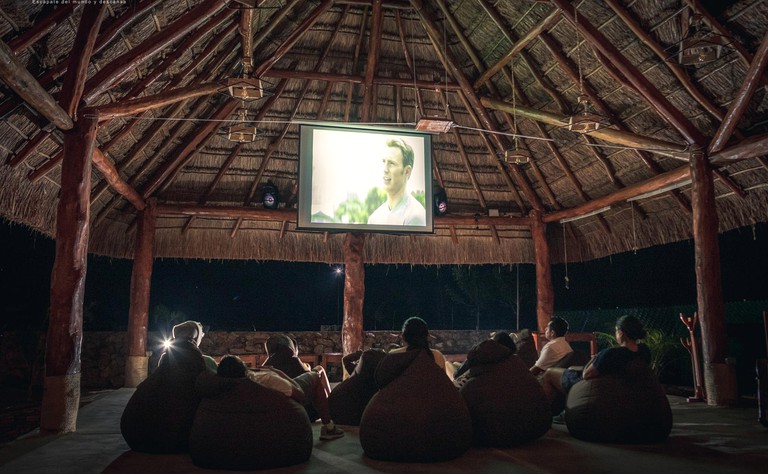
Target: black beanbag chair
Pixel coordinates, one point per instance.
(417, 415)
(506, 402)
(158, 417)
(349, 398)
(576, 358)
(631, 408)
(241, 425)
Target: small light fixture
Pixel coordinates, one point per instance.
(517, 155)
(585, 121)
(270, 196)
(440, 201)
(434, 125)
(699, 46)
(245, 88)
(242, 132)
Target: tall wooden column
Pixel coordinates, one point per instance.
(545, 295)
(65, 327)
(719, 378)
(137, 363)
(354, 293)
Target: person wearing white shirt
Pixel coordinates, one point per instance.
(555, 349)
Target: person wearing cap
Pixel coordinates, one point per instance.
(192, 331)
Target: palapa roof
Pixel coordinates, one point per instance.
(380, 61)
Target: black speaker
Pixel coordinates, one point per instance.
(270, 196)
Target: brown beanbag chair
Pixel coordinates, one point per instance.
(620, 409)
(158, 417)
(417, 415)
(576, 358)
(241, 425)
(348, 399)
(506, 402)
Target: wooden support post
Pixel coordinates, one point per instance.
(65, 327)
(545, 294)
(354, 292)
(719, 378)
(137, 363)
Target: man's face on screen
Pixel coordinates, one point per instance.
(395, 174)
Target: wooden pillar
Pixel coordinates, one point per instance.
(137, 363)
(65, 327)
(354, 293)
(719, 378)
(545, 295)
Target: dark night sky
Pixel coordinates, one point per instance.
(303, 296)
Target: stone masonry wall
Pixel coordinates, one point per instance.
(103, 353)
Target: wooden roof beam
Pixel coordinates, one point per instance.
(658, 101)
(518, 46)
(742, 98)
(143, 104)
(354, 79)
(41, 28)
(374, 46)
(483, 115)
(663, 55)
(289, 215)
(108, 170)
(111, 74)
(616, 137)
(494, 154)
(408, 61)
(16, 76)
(188, 43)
(675, 176)
(180, 156)
(751, 147)
(291, 40)
(125, 20)
(246, 33)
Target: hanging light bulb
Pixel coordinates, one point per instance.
(515, 155)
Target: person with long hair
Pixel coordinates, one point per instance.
(415, 336)
(611, 361)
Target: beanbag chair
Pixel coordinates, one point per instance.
(417, 415)
(241, 425)
(506, 402)
(158, 417)
(576, 358)
(631, 408)
(348, 399)
(526, 348)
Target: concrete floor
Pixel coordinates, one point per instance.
(704, 440)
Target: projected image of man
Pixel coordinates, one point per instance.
(400, 208)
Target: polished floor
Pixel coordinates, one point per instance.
(704, 440)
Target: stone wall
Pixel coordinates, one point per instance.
(103, 353)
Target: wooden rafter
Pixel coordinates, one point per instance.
(485, 118)
(663, 55)
(111, 74)
(517, 47)
(143, 104)
(656, 99)
(291, 40)
(374, 46)
(41, 28)
(16, 76)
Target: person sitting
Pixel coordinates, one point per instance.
(526, 347)
(610, 361)
(158, 417)
(501, 337)
(415, 335)
(242, 425)
(192, 331)
(284, 355)
(310, 388)
(555, 349)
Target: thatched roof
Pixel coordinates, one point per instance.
(321, 73)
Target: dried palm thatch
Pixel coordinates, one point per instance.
(452, 58)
